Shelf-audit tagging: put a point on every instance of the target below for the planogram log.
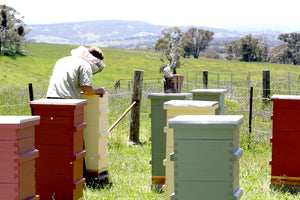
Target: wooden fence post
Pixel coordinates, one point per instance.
(266, 86)
(31, 97)
(205, 79)
(250, 117)
(135, 112)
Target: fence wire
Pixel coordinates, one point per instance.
(15, 100)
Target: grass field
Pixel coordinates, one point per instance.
(129, 168)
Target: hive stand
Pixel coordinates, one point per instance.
(206, 156)
(17, 157)
(211, 95)
(175, 108)
(285, 173)
(59, 138)
(95, 137)
(158, 138)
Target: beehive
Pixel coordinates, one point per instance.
(158, 137)
(175, 108)
(59, 138)
(211, 95)
(95, 135)
(17, 155)
(206, 156)
(285, 142)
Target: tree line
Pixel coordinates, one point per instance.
(175, 44)
(12, 30)
(250, 49)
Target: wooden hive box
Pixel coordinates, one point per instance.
(285, 142)
(158, 138)
(17, 155)
(69, 188)
(96, 135)
(59, 138)
(206, 156)
(58, 162)
(211, 95)
(175, 108)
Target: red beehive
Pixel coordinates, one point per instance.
(17, 155)
(285, 141)
(59, 138)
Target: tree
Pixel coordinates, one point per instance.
(199, 40)
(12, 30)
(170, 46)
(246, 49)
(293, 46)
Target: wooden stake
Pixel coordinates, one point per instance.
(31, 98)
(266, 86)
(205, 79)
(122, 116)
(135, 112)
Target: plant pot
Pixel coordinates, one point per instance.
(173, 84)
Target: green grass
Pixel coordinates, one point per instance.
(129, 168)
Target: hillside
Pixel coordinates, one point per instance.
(122, 34)
(37, 66)
(130, 34)
(108, 33)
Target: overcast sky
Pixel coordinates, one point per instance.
(212, 13)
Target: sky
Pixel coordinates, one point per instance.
(211, 13)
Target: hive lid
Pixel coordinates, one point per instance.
(193, 104)
(289, 97)
(206, 120)
(59, 101)
(170, 95)
(17, 119)
(209, 91)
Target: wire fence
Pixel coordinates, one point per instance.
(237, 83)
(281, 82)
(15, 100)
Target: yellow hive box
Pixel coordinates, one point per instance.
(103, 121)
(103, 162)
(175, 108)
(95, 134)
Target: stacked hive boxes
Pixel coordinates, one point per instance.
(211, 95)
(158, 137)
(95, 135)
(17, 156)
(206, 156)
(59, 138)
(285, 142)
(175, 108)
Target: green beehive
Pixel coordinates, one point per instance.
(175, 108)
(158, 137)
(206, 156)
(211, 95)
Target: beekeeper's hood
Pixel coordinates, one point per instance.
(93, 56)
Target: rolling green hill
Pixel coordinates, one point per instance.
(36, 66)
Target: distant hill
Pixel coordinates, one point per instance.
(125, 34)
(105, 33)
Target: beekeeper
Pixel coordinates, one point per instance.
(73, 74)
